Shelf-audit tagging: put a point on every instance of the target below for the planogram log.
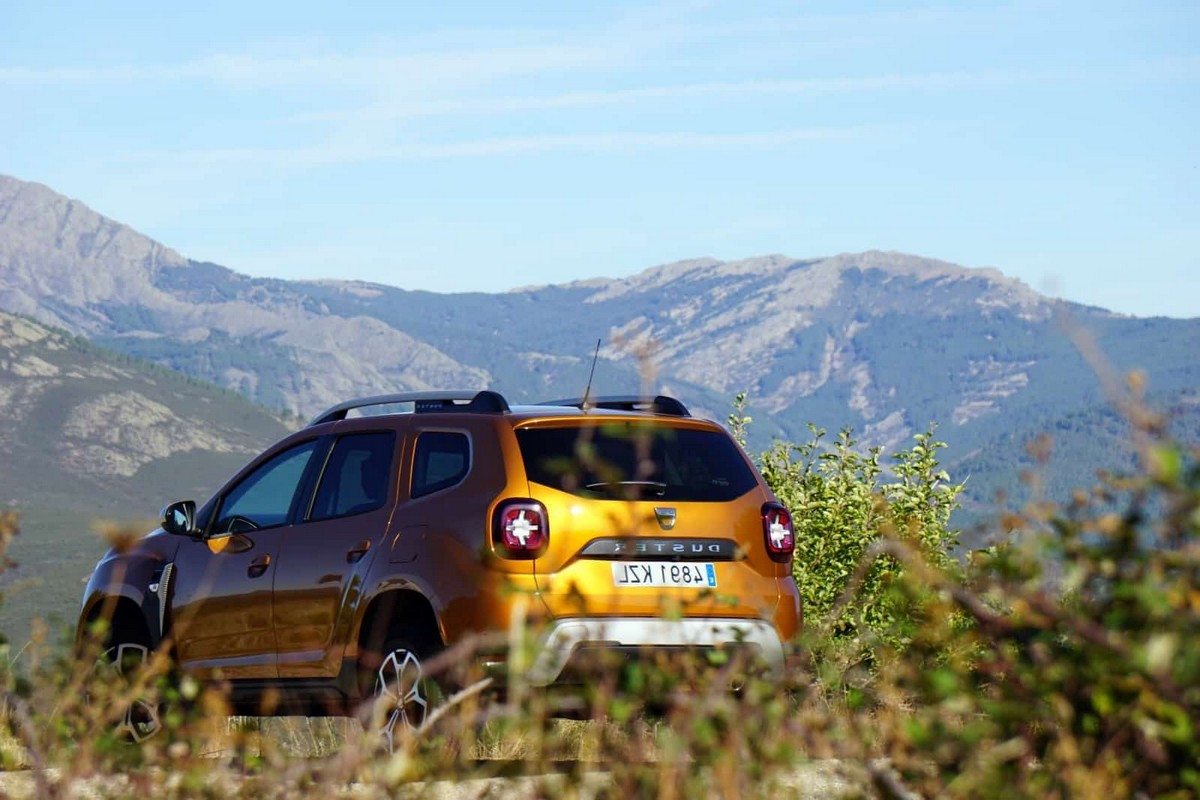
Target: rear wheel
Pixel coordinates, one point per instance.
(400, 693)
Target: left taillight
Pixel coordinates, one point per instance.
(778, 531)
(520, 528)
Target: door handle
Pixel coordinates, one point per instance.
(258, 566)
(354, 554)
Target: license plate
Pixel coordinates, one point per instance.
(664, 573)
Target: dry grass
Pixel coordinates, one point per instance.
(1063, 666)
(60, 730)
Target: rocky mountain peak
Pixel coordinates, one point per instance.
(55, 247)
(65, 264)
(1000, 288)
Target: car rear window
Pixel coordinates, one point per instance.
(442, 460)
(636, 461)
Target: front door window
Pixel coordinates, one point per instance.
(264, 499)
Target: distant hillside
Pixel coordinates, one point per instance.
(883, 342)
(1079, 445)
(91, 433)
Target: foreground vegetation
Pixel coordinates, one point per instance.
(1063, 661)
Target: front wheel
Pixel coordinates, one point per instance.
(118, 669)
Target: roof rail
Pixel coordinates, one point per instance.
(660, 404)
(423, 402)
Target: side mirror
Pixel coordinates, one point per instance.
(180, 518)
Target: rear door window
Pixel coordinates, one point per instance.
(357, 477)
(630, 460)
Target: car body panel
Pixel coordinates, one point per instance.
(129, 575)
(221, 611)
(573, 584)
(318, 578)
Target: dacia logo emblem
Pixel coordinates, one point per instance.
(665, 517)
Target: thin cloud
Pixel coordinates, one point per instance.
(643, 32)
(624, 142)
(238, 70)
(932, 81)
(64, 76)
(1187, 68)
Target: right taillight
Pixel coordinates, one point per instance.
(520, 528)
(778, 531)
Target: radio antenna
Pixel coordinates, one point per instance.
(588, 391)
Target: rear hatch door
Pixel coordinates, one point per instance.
(648, 517)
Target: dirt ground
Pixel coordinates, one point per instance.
(818, 780)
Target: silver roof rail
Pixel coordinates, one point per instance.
(423, 402)
(660, 404)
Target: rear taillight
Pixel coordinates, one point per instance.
(778, 532)
(520, 528)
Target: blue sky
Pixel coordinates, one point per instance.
(486, 146)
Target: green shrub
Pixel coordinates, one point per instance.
(1084, 676)
(841, 505)
(1064, 662)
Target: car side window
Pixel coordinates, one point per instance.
(442, 460)
(356, 477)
(264, 497)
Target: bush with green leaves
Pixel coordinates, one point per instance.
(1063, 662)
(842, 503)
(1083, 675)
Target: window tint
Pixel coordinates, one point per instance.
(264, 498)
(632, 461)
(356, 477)
(441, 461)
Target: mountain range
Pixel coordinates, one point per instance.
(92, 434)
(884, 342)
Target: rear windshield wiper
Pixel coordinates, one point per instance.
(646, 487)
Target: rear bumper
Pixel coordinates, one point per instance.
(567, 636)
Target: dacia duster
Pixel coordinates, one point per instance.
(330, 569)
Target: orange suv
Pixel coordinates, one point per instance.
(335, 564)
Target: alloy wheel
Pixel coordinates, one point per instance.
(116, 668)
(401, 700)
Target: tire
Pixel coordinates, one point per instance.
(399, 695)
(115, 668)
